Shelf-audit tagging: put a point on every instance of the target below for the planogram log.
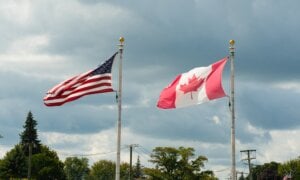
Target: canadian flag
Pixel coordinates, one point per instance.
(199, 85)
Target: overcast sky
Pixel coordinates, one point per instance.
(44, 42)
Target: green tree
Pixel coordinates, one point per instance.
(30, 136)
(124, 171)
(173, 164)
(242, 177)
(46, 165)
(104, 170)
(291, 167)
(14, 164)
(266, 171)
(137, 170)
(166, 160)
(76, 168)
(154, 173)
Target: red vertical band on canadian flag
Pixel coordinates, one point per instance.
(168, 95)
(199, 85)
(214, 87)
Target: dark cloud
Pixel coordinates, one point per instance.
(269, 108)
(77, 119)
(182, 124)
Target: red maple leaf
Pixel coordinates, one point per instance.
(193, 85)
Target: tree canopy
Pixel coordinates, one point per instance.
(137, 170)
(105, 169)
(177, 164)
(14, 164)
(45, 162)
(266, 171)
(76, 168)
(46, 165)
(29, 135)
(290, 168)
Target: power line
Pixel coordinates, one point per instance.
(93, 154)
(146, 156)
(221, 170)
(145, 150)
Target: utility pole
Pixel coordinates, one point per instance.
(250, 155)
(131, 146)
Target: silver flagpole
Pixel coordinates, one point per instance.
(121, 45)
(233, 168)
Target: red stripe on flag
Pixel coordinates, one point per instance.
(91, 82)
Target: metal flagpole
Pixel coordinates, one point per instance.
(233, 168)
(121, 45)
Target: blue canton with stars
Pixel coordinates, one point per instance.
(105, 67)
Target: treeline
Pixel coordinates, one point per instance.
(275, 170)
(31, 158)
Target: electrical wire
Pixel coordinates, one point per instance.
(94, 154)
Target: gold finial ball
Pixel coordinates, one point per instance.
(121, 39)
(231, 42)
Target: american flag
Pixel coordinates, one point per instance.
(91, 82)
